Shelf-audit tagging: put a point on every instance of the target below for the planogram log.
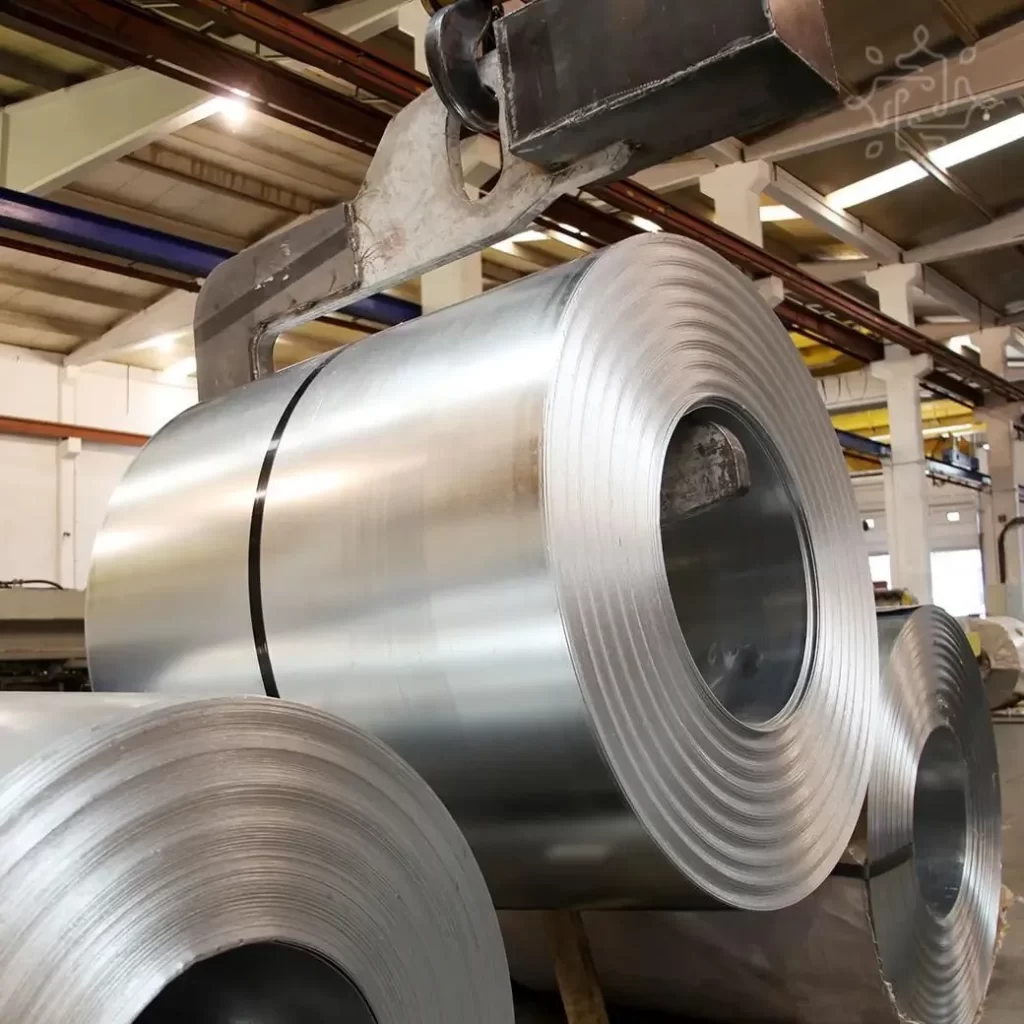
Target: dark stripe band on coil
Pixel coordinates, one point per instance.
(259, 626)
(882, 866)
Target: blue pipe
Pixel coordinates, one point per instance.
(55, 222)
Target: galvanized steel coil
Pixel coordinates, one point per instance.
(225, 860)
(905, 930)
(1002, 658)
(452, 534)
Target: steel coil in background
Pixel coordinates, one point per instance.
(1001, 658)
(225, 860)
(904, 931)
(451, 535)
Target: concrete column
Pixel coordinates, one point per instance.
(67, 455)
(906, 486)
(1006, 467)
(894, 285)
(463, 279)
(736, 190)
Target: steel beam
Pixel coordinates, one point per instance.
(140, 216)
(959, 21)
(1000, 234)
(32, 72)
(315, 44)
(178, 166)
(360, 19)
(812, 205)
(837, 271)
(169, 317)
(674, 174)
(53, 139)
(995, 73)
(44, 219)
(42, 322)
(90, 294)
(784, 188)
(48, 430)
(622, 195)
(281, 169)
(876, 451)
(130, 35)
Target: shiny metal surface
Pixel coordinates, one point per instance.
(905, 929)
(461, 550)
(169, 569)
(226, 860)
(1001, 659)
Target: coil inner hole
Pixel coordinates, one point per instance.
(940, 820)
(739, 573)
(262, 983)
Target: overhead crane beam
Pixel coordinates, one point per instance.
(50, 140)
(320, 47)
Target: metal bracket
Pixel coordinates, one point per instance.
(453, 36)
(411, 215)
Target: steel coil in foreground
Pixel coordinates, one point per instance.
(471, 536)
(235, 859)
(906, 928)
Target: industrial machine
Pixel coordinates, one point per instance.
(42, 637)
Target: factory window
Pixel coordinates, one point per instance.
(957, 583)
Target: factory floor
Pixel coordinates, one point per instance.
(1005, 1003)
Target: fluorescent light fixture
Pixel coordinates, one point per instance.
(576, 243)
(529, 236)
(977, 144)
(876, 185)
(234, 109)
(645, 225)
(962, 431)
(994, 137)
(773, 214)
(952, 517)
(180, 371)
(161, 342)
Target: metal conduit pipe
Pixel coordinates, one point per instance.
(906, 927)
(475, 535)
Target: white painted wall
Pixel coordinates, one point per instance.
(942, 500)
(52, 501)
(957, 583)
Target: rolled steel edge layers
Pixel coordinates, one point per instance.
(1002, 658)
(229, 859)
(888, 937)
(457, 546)
(935, 790)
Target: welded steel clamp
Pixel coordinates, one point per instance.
(573, 96)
